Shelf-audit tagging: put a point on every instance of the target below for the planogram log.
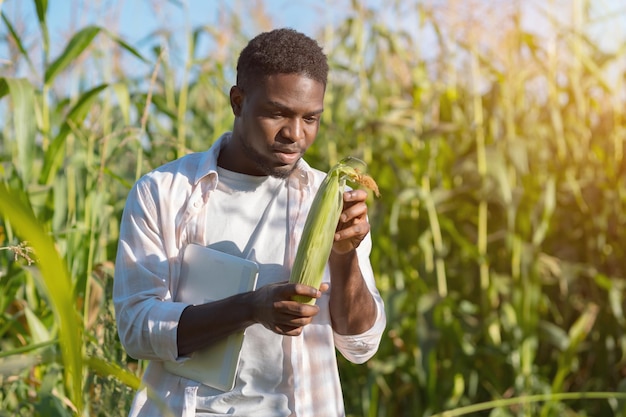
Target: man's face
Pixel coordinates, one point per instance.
(276, 121)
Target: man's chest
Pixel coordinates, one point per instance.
(252, 225)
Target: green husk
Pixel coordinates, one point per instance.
(321, 223)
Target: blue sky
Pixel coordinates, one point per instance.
(136, 20)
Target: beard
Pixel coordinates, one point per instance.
(264, 164)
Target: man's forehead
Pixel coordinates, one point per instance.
(290, 84)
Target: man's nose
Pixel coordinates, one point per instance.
(293, 129)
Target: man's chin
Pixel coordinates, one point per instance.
(281, 172)
(277, 170)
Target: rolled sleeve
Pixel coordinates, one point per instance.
(147, 318)
(359, 348)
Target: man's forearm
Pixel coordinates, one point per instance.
(202, 325)
(352, 307)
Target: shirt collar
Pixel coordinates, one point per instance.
(300, 178)
(208, 163)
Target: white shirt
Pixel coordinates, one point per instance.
(167, 209)
(247, 217)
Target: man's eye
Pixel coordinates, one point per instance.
(311, 119)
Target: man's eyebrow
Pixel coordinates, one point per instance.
(288, 109)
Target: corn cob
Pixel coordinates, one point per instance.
(321, 223)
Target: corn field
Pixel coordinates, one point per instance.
(499, 237)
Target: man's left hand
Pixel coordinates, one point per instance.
(353, 225)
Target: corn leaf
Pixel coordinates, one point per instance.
(54, 155)
(22, 95)
(123, 100)
(38, 330)
(105, 368)
(56, 281)
(18, 41)
(79, 42)
(42, 9)
(124, 45)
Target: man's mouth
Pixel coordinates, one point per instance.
(288, 157)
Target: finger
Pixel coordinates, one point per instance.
(286, 291)
(298, 322)
(356, 231)
(291, 327)
(289, 330)
(306, 290)
(353, 196)
(292, 321)
(287, 311)
(356, 211)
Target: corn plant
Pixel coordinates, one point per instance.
(486, 300)
(56, 217)
(497, 237)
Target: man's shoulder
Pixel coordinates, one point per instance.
(185, 162)
(194, 164)
(185, 165)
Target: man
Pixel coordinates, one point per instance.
(248, 195)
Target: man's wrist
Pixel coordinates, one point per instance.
(342, 256)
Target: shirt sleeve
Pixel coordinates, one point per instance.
(147, 317)
(361, 347)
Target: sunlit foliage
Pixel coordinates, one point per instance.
(495, 131)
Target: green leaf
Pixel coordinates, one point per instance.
(549, 203)
(125, 45)
(54, 155)
(57, 282)
(18, 41)
(52, 406)
(582, 326)
(22, 94)
(473, 409)
(42, 9)
(17, 364)
(161, 104)
(104, 368)
(38, 330)
(125, 183)
(27, 349)
(123, 100)
(79, 42)
(554, 334)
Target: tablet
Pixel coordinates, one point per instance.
(210, 275)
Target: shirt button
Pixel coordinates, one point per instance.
(197, 204)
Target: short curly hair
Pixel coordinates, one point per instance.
(281, 51)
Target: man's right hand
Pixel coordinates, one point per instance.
(275, 309)
(271, 305)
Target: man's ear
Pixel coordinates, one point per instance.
(236, 100)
